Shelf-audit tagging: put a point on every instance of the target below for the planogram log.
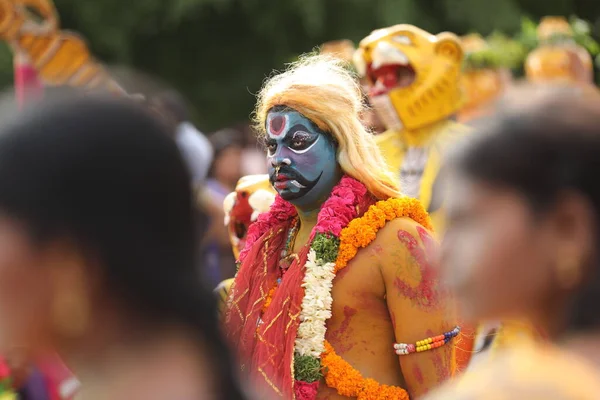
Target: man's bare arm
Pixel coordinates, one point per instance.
(419, 307)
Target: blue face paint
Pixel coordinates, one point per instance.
(303, 166)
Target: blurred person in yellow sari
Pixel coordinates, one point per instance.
(522, 244)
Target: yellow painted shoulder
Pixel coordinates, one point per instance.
(389, 233)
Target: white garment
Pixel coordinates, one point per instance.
(196, 151)
(411, 172)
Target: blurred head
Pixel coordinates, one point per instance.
(309, 117)
(253, 196)
(96, 225)
(227, 161)
(560, 64)
(523, 210)
(558, 57)
(551, 26)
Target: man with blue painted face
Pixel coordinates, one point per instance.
(337, 294)
(309, 178)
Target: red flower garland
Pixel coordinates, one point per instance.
(348, 199)
(335, 214)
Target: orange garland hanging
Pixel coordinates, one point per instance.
(359, 233)
(346, 379)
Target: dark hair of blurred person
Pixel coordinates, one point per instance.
(97, 252)
(226, 170)
(194, 146)
(522, 242)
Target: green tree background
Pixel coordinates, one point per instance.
(218, 52)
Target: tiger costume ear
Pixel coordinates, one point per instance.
(448, 45)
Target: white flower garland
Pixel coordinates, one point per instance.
(316, 306)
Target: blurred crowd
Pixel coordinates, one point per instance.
(216, 161)
(119, 217)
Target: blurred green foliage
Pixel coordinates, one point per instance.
(501, 52)
(218, 52)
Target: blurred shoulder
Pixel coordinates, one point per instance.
(532, 372)
(450, 132)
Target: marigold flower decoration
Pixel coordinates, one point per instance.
(359, 233)
(362, 231)
(339, 234)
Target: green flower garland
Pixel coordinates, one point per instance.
(326, 246)
(307, 369)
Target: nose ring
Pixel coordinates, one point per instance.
(286, 161)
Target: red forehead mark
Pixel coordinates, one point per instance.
(277, 124)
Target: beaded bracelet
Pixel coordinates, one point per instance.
(426, 344)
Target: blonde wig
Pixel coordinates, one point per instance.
(323, 90)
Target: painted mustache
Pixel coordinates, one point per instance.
(294, 177)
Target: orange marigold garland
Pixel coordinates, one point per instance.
(359, 233)
(334, 245)
(343, 377)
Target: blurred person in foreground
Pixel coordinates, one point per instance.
(226, 170)
(522, 243)
(336, 287)
(194, 146)
(97, 249)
